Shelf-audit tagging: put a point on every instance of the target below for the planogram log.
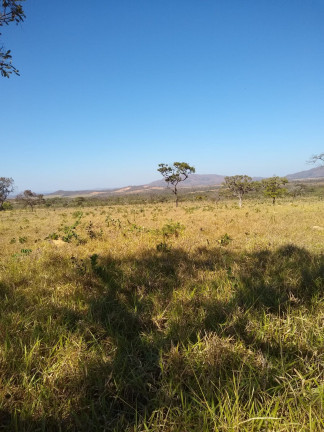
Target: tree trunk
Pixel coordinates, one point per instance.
(240, 201)
(176, 195)
(273, 200)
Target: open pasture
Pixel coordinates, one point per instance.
(149, 317)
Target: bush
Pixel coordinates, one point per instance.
(7, 206)
(172, 228)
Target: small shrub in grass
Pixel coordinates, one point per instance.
(172, 228)
(7, 206)
(113, 222)
(225, 240)
(25, 251)
(79, 264)
(163, 247)
(92, 232)
(135, 228)
(81, 241)
(70, 232)
(190, 210)
(52, 236)
(77, 214)
(22, 240)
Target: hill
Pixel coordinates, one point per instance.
(194, 181)
(313, 173)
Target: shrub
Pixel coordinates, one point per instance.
(7, 206)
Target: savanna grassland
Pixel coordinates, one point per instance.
(150, 318)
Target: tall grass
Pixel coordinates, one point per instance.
(219, 329)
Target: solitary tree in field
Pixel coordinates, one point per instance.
(29, 198)
(6, 188)
(274, 187)
(239, 185)
(174, 174)
(10, 11)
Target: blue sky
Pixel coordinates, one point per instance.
(110, 89)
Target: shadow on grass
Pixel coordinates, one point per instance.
(142, 308)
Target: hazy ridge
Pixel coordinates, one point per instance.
(195, 180)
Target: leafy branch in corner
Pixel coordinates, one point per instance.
(317, 158)
(10, 11)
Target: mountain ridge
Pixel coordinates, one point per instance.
(313, 173)
(194, 180)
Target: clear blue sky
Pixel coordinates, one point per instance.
(110, 89)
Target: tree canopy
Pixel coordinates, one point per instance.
(174, 174)
(317, 158)
(10, 11)
(6, 188)
(29, 198)
(239, 185)
(274, 187)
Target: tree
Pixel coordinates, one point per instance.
(6, 188)
(10, 11)
(317, 158)
(298, 189)
(274, 187)
(29, 198)
(79, 201)
(174, 174)
(239, 185)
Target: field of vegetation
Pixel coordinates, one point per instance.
(147, 317)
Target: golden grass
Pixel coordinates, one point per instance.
(151, 317)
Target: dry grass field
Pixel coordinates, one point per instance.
(150, 318)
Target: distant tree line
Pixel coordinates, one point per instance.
(30, 199)
(238, 185)
(26, 198)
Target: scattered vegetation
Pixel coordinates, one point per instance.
(30, 199)
(172, 229)
(225, 240)
(171, 326)
(70, 230)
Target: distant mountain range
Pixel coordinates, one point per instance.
(193, 181)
